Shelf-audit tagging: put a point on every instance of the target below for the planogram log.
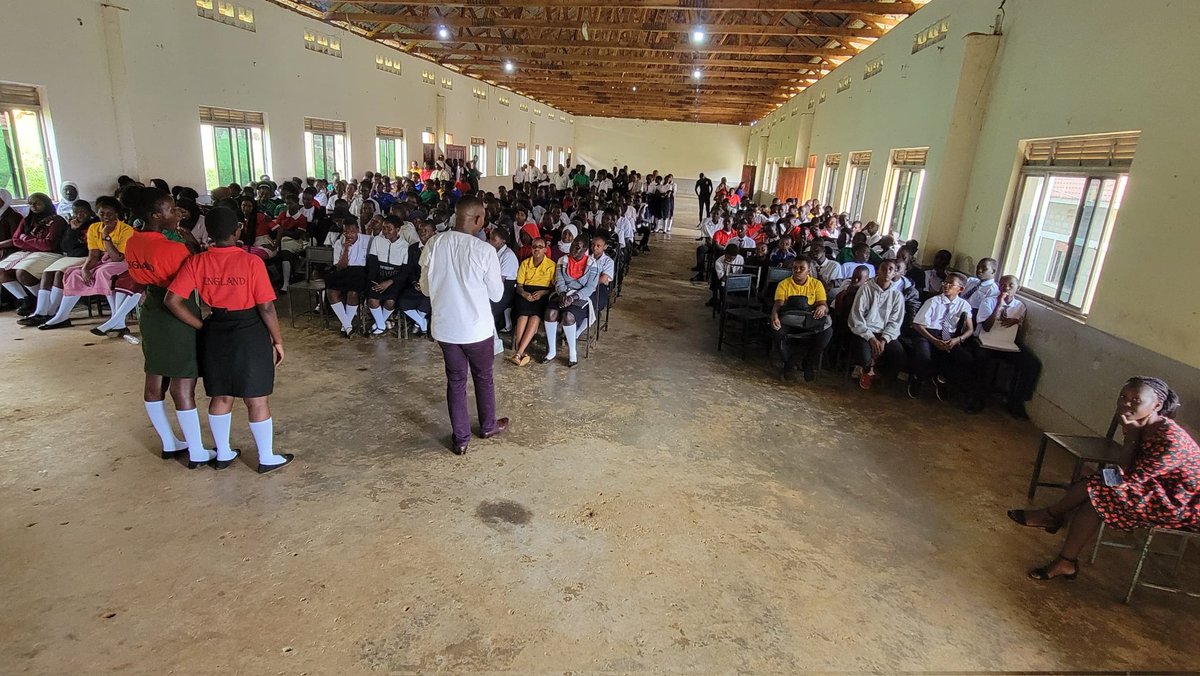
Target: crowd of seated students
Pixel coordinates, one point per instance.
(859, 294)
(560, 243)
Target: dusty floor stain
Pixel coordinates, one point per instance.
(673, 509)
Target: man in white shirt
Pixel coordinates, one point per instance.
(999, 321)
(461, 275)
(561, 181)
(942, 325)
(875, 321)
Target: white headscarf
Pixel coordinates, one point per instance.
(569, 232)
(65, 205)
(6, 196)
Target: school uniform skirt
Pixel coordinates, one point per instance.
(65, 263)
(600, 298)
(126, 284)
(527, 308)
(31, 262)
(580, 309)
(102, 279)
(236, 359)
(168, 345)
(351, 278)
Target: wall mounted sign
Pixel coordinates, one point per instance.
(873, 68)
(822, 99)
(844, 84)
(932, 35)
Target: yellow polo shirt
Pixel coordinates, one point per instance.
(120, 235)
(529, 274)
(812, 289)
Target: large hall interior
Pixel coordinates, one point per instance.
(913, 388)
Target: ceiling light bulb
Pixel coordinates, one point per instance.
(443, 32)
(697, 36)
(509, 67)
(635, 88)
(696, 74)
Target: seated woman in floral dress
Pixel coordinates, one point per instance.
(1157, 484)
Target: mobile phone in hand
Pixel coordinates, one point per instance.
(1112, 476)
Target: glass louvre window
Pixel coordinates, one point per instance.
(232, 146)
(325, 149)
(389, 150)
(907, 179)
(833, 166)
(502, 158)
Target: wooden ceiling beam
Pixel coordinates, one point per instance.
(814, 6)
(502, 23)
(432, 41)
(531, 59)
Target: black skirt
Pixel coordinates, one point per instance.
(525, 308)
(351, 278)
(236, 359)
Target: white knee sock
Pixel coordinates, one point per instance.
(125, 304)
(508, 319)
(64, 309)
(418, 317)
(157, 412)
(56, 297)
(339, 311)
(43, 302)
(377, 315)
(219, 426)
(16, 289)
(264, 439)
(570, 332)
(286, 266)
(189, 422)
(351, 313)
(551, 340)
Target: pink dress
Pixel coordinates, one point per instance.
(104, 273)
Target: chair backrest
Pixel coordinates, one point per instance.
(775, 275)
(738, 283)
(319, 255)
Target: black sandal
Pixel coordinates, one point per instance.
(1019, 516)
(1043, 574)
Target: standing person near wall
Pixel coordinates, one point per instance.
(704, 188)
(461, 275)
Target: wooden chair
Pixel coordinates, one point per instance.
(1103, 451)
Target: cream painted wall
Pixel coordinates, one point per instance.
(1049, 78)
(175, 61)
(681, 148)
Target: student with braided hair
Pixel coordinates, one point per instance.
(1157, 483)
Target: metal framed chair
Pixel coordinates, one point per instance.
(1184, 537)
(735, 306)
(310, 289)
(1103, 451)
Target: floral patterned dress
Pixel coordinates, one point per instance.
(1163, 488)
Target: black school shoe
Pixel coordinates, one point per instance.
(914, 388)
(34, 320)
(287, 459)
(26, 306)
(64, 324)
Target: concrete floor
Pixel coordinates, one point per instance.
(661, 508)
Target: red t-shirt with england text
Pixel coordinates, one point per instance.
(154, 259)
(226, 277)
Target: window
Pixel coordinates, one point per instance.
(833, 166)
(860, 163)
(562, 156)
(1068, 196)
(522, 155)
(537, 155)
(25, 162)
(232, 143)
(502, 158)
(326, 153)
(908, 175)
(478, 154)
(390, 150)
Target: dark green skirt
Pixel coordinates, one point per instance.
(168, 344)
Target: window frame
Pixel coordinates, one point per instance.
(21, 190)
(478, 148)
(893, 192)
(1018, 254)
(502, 159)
(832, 176)
(396, 138)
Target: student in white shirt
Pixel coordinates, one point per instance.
(824, 268)
(607, 272)
(461, 275)
(508, 273)
(875, 321)
(386, 258)
(983, 285)
(999, 322)
(937, 352)
(348, 278)
(728, 264)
